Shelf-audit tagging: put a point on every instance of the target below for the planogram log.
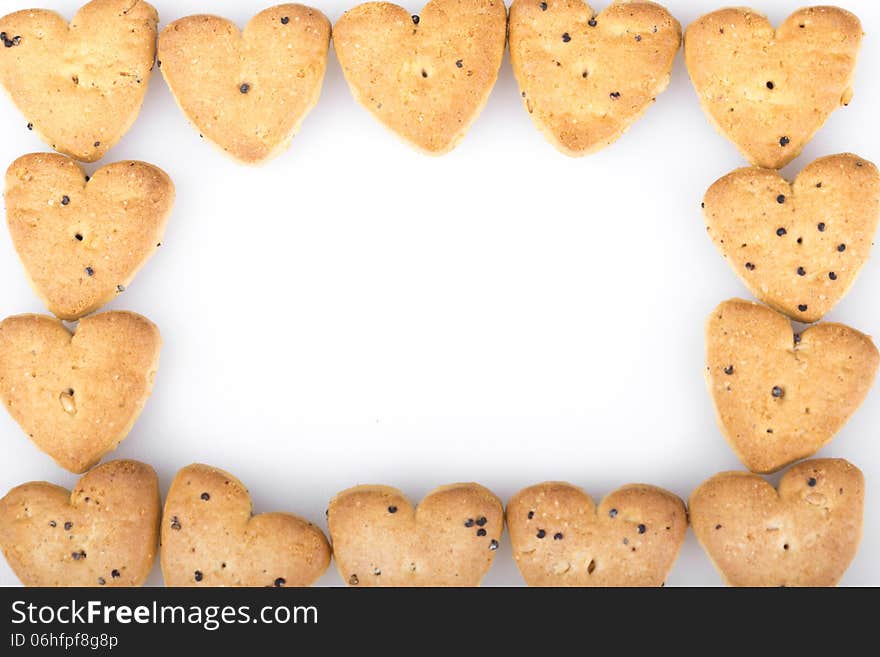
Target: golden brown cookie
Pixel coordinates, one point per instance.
(82, 240)
(797, 246)
(769, 91)
(586, 78)
(380, 539)
(806, 533)
(247, 91)
(103, 533)
(77, 396)
(561, 538)
(425, 76)
(780, 396)
(80, 86)
(210, 537)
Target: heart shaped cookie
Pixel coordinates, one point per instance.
(103, 533)
(769, 91)
(77, 396)
(561, 538)
(82, 240)
(586, 78)
(210, 537)
(426, 76)
(779, 396)
(798, 247)
(806, 533)
(247, 92)
(380, 539)
(81, 85)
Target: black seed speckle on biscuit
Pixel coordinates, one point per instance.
(469, 522)
(780, 199)
(541, 533)
(811, 482)
(557, 536)
(777, 392)
(781, 231)
(784, 141)
(750, 266)
(392, 509)
(493, 544)
(728, 370)
(285, 20)
(175, 523)
(198, 576)
(642, 529)
(613, 513)
(205, 496)
(279, 582)
(481, 532)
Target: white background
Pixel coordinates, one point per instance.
(356, 312)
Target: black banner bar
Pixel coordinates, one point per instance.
(130, 621)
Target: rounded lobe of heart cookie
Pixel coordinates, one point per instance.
(247, 92)
(77, 396)
(780, 397)
(769, 91)
(560, 537)
(80, 86)
(586, 78)
(210, 537)
(426, 78)
(81, 240)
(380, 539)
(805, 534)
(798, 247)
(103, 533)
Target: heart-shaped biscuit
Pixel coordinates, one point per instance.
(586, 78)
(210, 537)
(103, 533)
(82, 240)
(769, 91)
(804, 534)
(798, 247)
(81, 85)
(780, 396)
(380, 539)
(426, 76)
(561, 538)
(247, 91)
(77, 396)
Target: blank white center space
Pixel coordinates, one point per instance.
(356, 312)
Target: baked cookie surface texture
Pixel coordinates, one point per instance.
(425, 76)
(770, 90)
(81, 85)
(380, 539)
(780, 396)
(805, 533)
(586, 77)
(105, 532)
